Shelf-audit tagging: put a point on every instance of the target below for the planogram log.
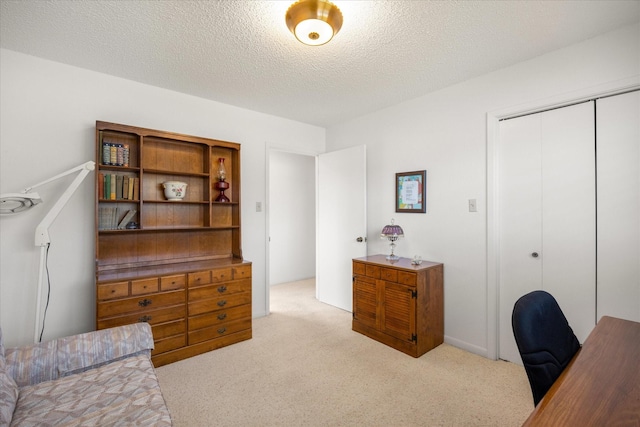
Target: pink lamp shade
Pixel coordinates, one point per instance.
(392, 232)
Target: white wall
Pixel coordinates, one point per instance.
(445, 133)
(292, 220)
(47, 114)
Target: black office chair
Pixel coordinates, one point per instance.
(545, 340)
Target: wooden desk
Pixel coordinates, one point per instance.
(601, 385)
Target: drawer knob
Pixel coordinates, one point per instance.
(222, 289)
(222, 316)
(145, 302)
(222, 303)
(222, 330)
(144, 319)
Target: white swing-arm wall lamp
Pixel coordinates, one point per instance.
(17, 202)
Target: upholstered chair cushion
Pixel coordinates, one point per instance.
(8, 390)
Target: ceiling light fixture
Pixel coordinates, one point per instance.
(314, 22)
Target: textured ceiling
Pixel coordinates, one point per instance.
(241, 52)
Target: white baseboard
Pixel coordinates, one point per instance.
(466, 346)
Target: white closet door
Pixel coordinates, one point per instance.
(569, 213)
(618, 136)
(546, 168)
(520, 216)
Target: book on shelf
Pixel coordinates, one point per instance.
(112, 194)
(132, 182)
(125, 187)
(100, 186)
(112, 186)
(107, 217)
(115, 154)
(107, 186)
(126, 219)
(136, 188)
(112, 218)
(119, 185)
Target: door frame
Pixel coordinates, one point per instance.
(493, 220)
(268, 149)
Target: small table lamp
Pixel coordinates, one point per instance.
(392, 233)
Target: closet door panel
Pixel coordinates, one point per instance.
(520, 220)
(618, 138)
(569, 213)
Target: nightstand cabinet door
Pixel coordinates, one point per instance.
(398, 303)
(365, 300)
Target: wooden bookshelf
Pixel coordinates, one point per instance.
(146, 266)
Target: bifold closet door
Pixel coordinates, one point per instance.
(618, 139)
(547, 215)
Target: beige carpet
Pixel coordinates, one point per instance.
(306, 367)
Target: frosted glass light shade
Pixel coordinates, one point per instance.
(313, 32)
(314, 22)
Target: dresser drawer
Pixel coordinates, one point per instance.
(165, 330)
(199, 278)
(372, 271)
(221, 275)
(139, 304)
(219, 317)
(242, 272)
(151, 316)
(214, 290)
(219, 303)
(144, 286)
(170, 283)
(113, 291)
(359, 268)
(406, 278)
(218, 331)
(164, 345)
(389, 274)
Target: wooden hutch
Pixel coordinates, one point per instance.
(176, 264)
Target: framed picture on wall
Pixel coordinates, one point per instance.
(411, 192)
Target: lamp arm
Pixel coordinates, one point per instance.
(42, 230)
(90, 165)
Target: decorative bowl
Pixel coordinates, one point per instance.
(174, 190)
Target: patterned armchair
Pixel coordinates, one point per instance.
(98, 378)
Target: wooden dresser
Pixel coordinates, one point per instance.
(192, 308)
(175, 263)
(398, 303)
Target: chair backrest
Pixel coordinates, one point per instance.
(545, 340)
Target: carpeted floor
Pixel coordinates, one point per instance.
(306, 367)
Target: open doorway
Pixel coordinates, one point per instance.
(291, 217)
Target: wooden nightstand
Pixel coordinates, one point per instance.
(398, 303)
